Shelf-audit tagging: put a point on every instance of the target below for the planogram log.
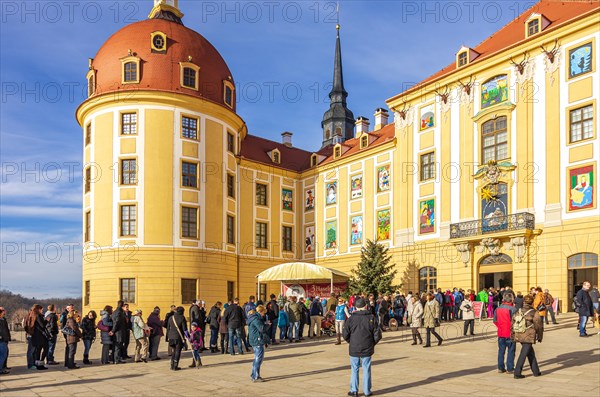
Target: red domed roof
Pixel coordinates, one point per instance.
(161, 71)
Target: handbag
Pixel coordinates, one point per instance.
(68, 331)
(436, 322)
(541, 307)
(185, 345)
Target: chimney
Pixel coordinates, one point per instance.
(286, 138)
(381, 118)
(362, 125)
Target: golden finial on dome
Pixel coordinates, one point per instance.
(189, 58)
(90, 62)
(129, 52)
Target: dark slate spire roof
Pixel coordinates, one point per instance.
(338, 120)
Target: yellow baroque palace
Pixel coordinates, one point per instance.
(487, 175)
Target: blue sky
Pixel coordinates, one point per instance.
(281, 57)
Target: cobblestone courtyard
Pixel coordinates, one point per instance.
(461, 366)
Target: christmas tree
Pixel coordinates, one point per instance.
(373, 274)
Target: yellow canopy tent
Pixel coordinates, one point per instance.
(300, 271)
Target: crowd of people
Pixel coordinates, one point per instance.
(237, 328)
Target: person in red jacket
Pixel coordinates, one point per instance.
(448, 308)
(503, 320)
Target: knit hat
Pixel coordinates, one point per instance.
(194, 324)
(360, 303)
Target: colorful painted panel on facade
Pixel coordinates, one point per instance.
(287, 199)
(356, 230)
(581, 188)
(580, 60)
(494, 91)
(427, 116)
(494, 207)
(309, 200)
(383, 225)
(383, 178)
(331, 191)
(309, 239)
(427, 216)
(356, 186)
(331, 235)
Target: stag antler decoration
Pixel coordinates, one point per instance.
(552, 53)
(521, 65)
(468, 86)
(444, 95)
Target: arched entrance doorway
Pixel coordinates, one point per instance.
(582, 267)
(495, 271)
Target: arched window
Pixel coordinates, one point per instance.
(583, 260)
(130, 72)
(494, 140)
(427, 278)
(496, 259)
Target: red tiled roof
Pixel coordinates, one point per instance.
(383, 135)
(558, 12)
(257, 149)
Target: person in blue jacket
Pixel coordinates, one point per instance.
(282, 322)
(257, 334)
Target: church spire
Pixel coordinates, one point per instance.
(338, 121)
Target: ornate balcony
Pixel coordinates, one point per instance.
(496, 224)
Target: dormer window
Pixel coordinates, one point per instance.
(228, 93)
(535, 24)
(313, 160)
(337, 151)
(131, 69)
(158, 42)
(533, 27)
(189, 75)
(275, 156)
(463, 58)
(364, 141)
(91, 78)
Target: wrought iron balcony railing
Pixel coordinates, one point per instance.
(519, 221)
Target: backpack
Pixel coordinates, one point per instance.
(519, 324)
(398, 304)
(447, 299)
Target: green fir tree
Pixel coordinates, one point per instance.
(373, 274)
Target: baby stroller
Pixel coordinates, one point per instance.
(328, 323)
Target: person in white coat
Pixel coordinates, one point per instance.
(468, 315)
(415, 318)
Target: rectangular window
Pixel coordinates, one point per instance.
(582, 123)
(128, 220)
(130, 72)
(86, 297)
(286, 234)
(427, 166)
(88, 226)
(88, 179)
(88, 134)
(230, 186)
(261, 194)
(228, 96)
(128, 290)
(128, 123)
(128, 172)
(230, 290)
(189, 174)
(189, 78)
(261, 235)
(262, 294)
(189, 222)
(230, 143)
(188, 290)
(533, 27)
(230, 229)
(189, 127)
(462, 59)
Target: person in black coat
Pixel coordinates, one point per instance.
(202, 323)
(127, 331)
(584, 307)
(167, 316)
(106, 339)
(176, 327)
(213, 320)
(4, 339)
(195, 312)
(118, 331)
(234, 319)
(362, 334)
